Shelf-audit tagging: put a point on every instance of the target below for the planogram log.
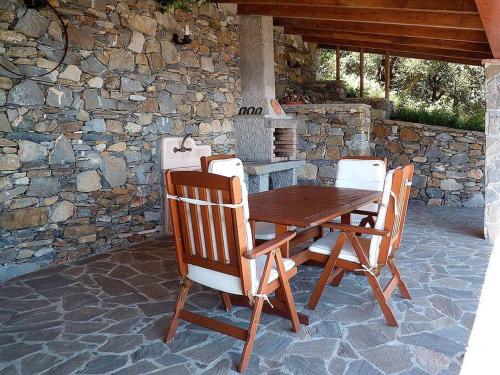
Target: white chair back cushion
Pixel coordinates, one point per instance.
(361, 174)
(380, 222)
(218, 280)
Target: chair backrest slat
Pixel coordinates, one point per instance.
(392, 212)
(208, 229)
(229, 230)
(402, 206)
(194, 221)
(183, 216)
(218, 227)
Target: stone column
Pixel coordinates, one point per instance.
(257, 62)
(492, 195)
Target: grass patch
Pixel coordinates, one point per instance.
(440, 117)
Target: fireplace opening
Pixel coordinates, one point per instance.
(284, 144)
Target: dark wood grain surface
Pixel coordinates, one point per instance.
(307, 206)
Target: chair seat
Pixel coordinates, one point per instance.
(232, 284)
(266, 231)
(326, 244)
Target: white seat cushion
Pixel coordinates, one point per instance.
(232, 284)
(326, 244)
(266, 231)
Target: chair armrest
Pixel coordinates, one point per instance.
(355, 229)
(270, 245)
(363, 212)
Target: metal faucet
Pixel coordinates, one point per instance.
(183, 148)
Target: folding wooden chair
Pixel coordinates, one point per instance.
(214, 249)
(362, 172)
(347, 251)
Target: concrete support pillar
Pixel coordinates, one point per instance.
(492, 195)
(257, 62)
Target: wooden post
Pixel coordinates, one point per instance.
(337, 56)
(361, 72)
(387, 75)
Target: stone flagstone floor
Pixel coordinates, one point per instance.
(107, 314)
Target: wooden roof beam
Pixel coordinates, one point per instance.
(413, 55)
(434, 5)
(489, 11)
(478, 36)
(398, 47)
(394, 16)
(401, 40)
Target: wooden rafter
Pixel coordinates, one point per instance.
(394, 16)
(414, 55)
(392, 39)
(478, 36)
(462, 31)
(429, 5)
(490, 16)
(398, 47)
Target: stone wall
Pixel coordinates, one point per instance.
(449, 163)
(327, 133)
(320, 92)
(78, 170)
(492, 129)
(381, 108)
(295, 62)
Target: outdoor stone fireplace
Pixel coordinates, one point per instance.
(267, 141)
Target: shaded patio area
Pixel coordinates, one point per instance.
(108, 313)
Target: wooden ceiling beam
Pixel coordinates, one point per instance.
(489, 11)
(477, 36)
(401, 40)
(394, 16)
(397, 47)
(413, 55)
(430, 5)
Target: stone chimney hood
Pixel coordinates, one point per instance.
(270, 136)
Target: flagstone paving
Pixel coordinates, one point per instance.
(107, 314)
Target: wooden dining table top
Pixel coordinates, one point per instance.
(307, 206)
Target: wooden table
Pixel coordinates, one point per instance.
(307, 207)
(304, 207)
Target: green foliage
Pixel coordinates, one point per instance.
(439, 117)
(430, 92)
(184, 5)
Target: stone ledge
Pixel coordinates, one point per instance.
(432, 127)
(256, 169)
(328, 106)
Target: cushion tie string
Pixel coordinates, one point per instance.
(266, 298)
(370, 270)
(199, 202)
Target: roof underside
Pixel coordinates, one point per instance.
(461, 31)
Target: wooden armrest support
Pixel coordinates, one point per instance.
(355, 229)
(367, 213)
(270, 245)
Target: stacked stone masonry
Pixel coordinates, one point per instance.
(492, 194)
(294, 62)
(326, 133)
(449, 163)
(78, 163)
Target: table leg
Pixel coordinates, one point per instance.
(285, 248)
(346, 218)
